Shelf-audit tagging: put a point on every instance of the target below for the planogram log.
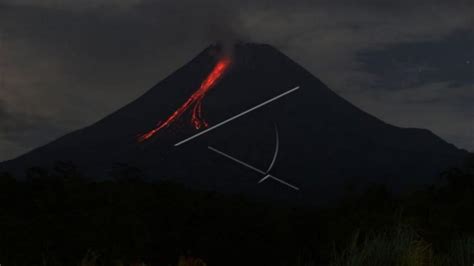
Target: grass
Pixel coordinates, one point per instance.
(461, 253)
(92, 259)
(398, 247)
(402, 247)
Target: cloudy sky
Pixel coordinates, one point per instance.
(64, 64)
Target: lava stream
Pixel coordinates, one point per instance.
(195, 99)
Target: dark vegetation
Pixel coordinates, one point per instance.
(57, 218)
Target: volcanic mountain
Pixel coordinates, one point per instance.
(265, 127)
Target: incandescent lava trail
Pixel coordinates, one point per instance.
(195, 99)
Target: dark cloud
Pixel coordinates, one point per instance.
(12, 124)
(71, 62)
(20, 132)
(424, 84)
(407, 65)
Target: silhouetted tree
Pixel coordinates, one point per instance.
(123, 172)
(6, 179)
(37, 173)
(461, 179)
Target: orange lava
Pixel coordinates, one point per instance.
(195, 99)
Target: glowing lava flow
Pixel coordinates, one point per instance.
(196, 99)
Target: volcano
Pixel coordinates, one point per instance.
(267, 128)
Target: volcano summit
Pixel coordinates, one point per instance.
(271, 130)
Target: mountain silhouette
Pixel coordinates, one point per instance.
(305, 141)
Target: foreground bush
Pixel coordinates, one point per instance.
(402, 247)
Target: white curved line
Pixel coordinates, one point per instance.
(264, 178)
(253, 168)
(277, 147)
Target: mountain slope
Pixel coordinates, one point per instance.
(324, 142)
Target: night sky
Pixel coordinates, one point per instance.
(65, 64)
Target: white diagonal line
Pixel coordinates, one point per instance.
(283, 182)
(237, 160)
(237, 116)
(253, 168)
